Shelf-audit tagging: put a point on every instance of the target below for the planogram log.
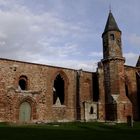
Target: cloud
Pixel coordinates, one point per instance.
(96, 54)
(58, 33)
(87, 65)
(24, 34)
(59, 51)
(131, 58)
(134, 39)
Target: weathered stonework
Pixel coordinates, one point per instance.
(90, 110)
(35, 93)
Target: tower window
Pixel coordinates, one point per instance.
(112, 37)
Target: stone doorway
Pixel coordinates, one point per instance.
(25, 112)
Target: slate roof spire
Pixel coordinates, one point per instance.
(138, 62)
(111, 24)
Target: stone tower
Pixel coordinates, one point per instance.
(117, 105)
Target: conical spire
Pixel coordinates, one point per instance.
(111, 24)
(138, 62)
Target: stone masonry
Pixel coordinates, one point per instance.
(36, 93)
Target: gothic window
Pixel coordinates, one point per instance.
(58, 89)
(23, 82)
(91, 110)
(112, 37)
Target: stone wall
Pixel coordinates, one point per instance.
(79, 89)
(39, 92)
(132, 89)
(91, 111)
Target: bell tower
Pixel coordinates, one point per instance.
(114, 75)
(112, 46)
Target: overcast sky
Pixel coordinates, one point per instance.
(66, 33)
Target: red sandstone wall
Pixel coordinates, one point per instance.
(86, 91)
(40, 92)
(131, 82)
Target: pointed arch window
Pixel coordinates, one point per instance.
(58, 90)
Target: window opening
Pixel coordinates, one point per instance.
(126, 90)
(112, 37)
(58, 89)
(23, 83)
(91, 110)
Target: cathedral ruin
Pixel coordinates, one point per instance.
(32, 93)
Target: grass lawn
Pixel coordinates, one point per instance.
(70, 131)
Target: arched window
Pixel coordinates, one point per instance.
(91, 110)
(23, 82)
(58, 91)
(112, 37)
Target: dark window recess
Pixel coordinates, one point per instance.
(111, 111)
(91, 110)
(95, 88)
(112, 37)
(126, 90)
(58, 89)
(23, 83)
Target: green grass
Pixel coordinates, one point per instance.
(70, 131)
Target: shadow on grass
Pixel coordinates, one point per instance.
(70, 131)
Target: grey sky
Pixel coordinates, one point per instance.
(65, 33)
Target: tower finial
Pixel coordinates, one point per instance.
(111, 24)
(110, 8)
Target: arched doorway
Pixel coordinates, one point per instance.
(25, 112)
